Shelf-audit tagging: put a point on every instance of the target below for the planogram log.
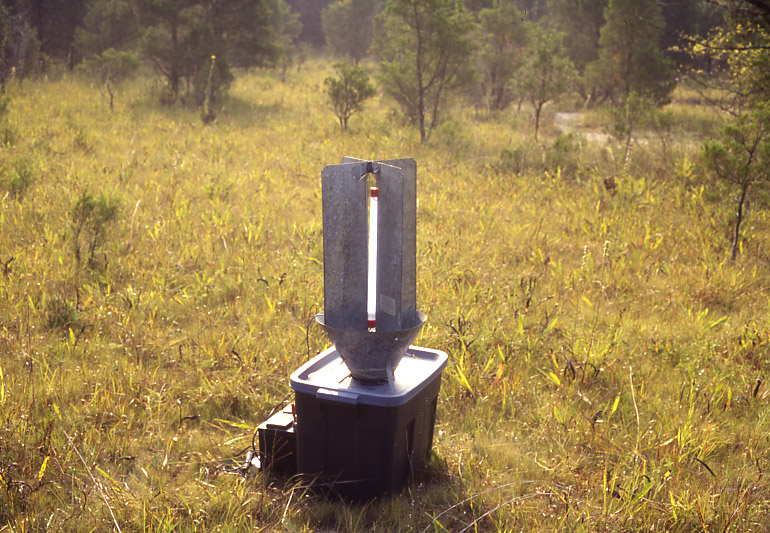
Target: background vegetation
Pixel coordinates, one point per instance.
(605, 316)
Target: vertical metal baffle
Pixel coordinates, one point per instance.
(345, 240)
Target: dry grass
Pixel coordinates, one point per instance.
(605, 356)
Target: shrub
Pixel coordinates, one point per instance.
(511, 160)
(564, 154)
(91, 217)
(60, 313)
(454, 137)
(210, 83)
(5, 102)
(17, 180)
(111, 68)
(741, 158)
(348, 91)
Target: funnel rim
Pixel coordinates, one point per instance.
(419, 316)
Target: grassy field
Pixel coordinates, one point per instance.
(607, 362)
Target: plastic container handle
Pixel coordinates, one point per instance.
(337, 396)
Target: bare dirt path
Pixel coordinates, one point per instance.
(571, 123)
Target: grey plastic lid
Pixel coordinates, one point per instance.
(328, 378)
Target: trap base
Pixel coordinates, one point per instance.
(362, 439)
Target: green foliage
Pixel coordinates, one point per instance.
(741, 157)
(502, 34)
(249, 32)
(687, 22)
(565, 156)
(110, 68)
(60, 313)
(5, 104)
(757, 11)
(210, 83)
(287, 27)
(19, 46)
(738, 60)
(512, 160)
(91, 217)
(632, 112)
(426, 48)
(207, 114)
(107, 24)
(546, 71)
(348, 91)
(309, 12)
(179, 39)
(16, 178)
(630, 59)
(349, 25)
(581, 22)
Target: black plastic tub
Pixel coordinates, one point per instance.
(361, 439)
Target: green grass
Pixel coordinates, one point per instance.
(604, 354)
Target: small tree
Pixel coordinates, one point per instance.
(107, 24)
(741, 157)
(111, 68)
(738, 57)
(633, 112)
(348, 91)
(90, 218)
(630, 58)
(546, 70)
(581, 23)
(287, 27)
(211, 80)
(426, 48)
(19, 47)
(502, 35)
(179, 37)
(348, 26)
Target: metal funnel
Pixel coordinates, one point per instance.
(370, 355)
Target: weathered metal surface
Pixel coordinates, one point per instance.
(390, 182)
(408, 304)
(344, 195)
(369, 355)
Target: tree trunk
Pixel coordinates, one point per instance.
(422, 120)
(538, 108)
(112, 97)
(174, 71)
(418, 66)
(434, 114)
(739, 220)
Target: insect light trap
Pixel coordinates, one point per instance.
(365, 409)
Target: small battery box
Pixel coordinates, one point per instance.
(278, 443)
